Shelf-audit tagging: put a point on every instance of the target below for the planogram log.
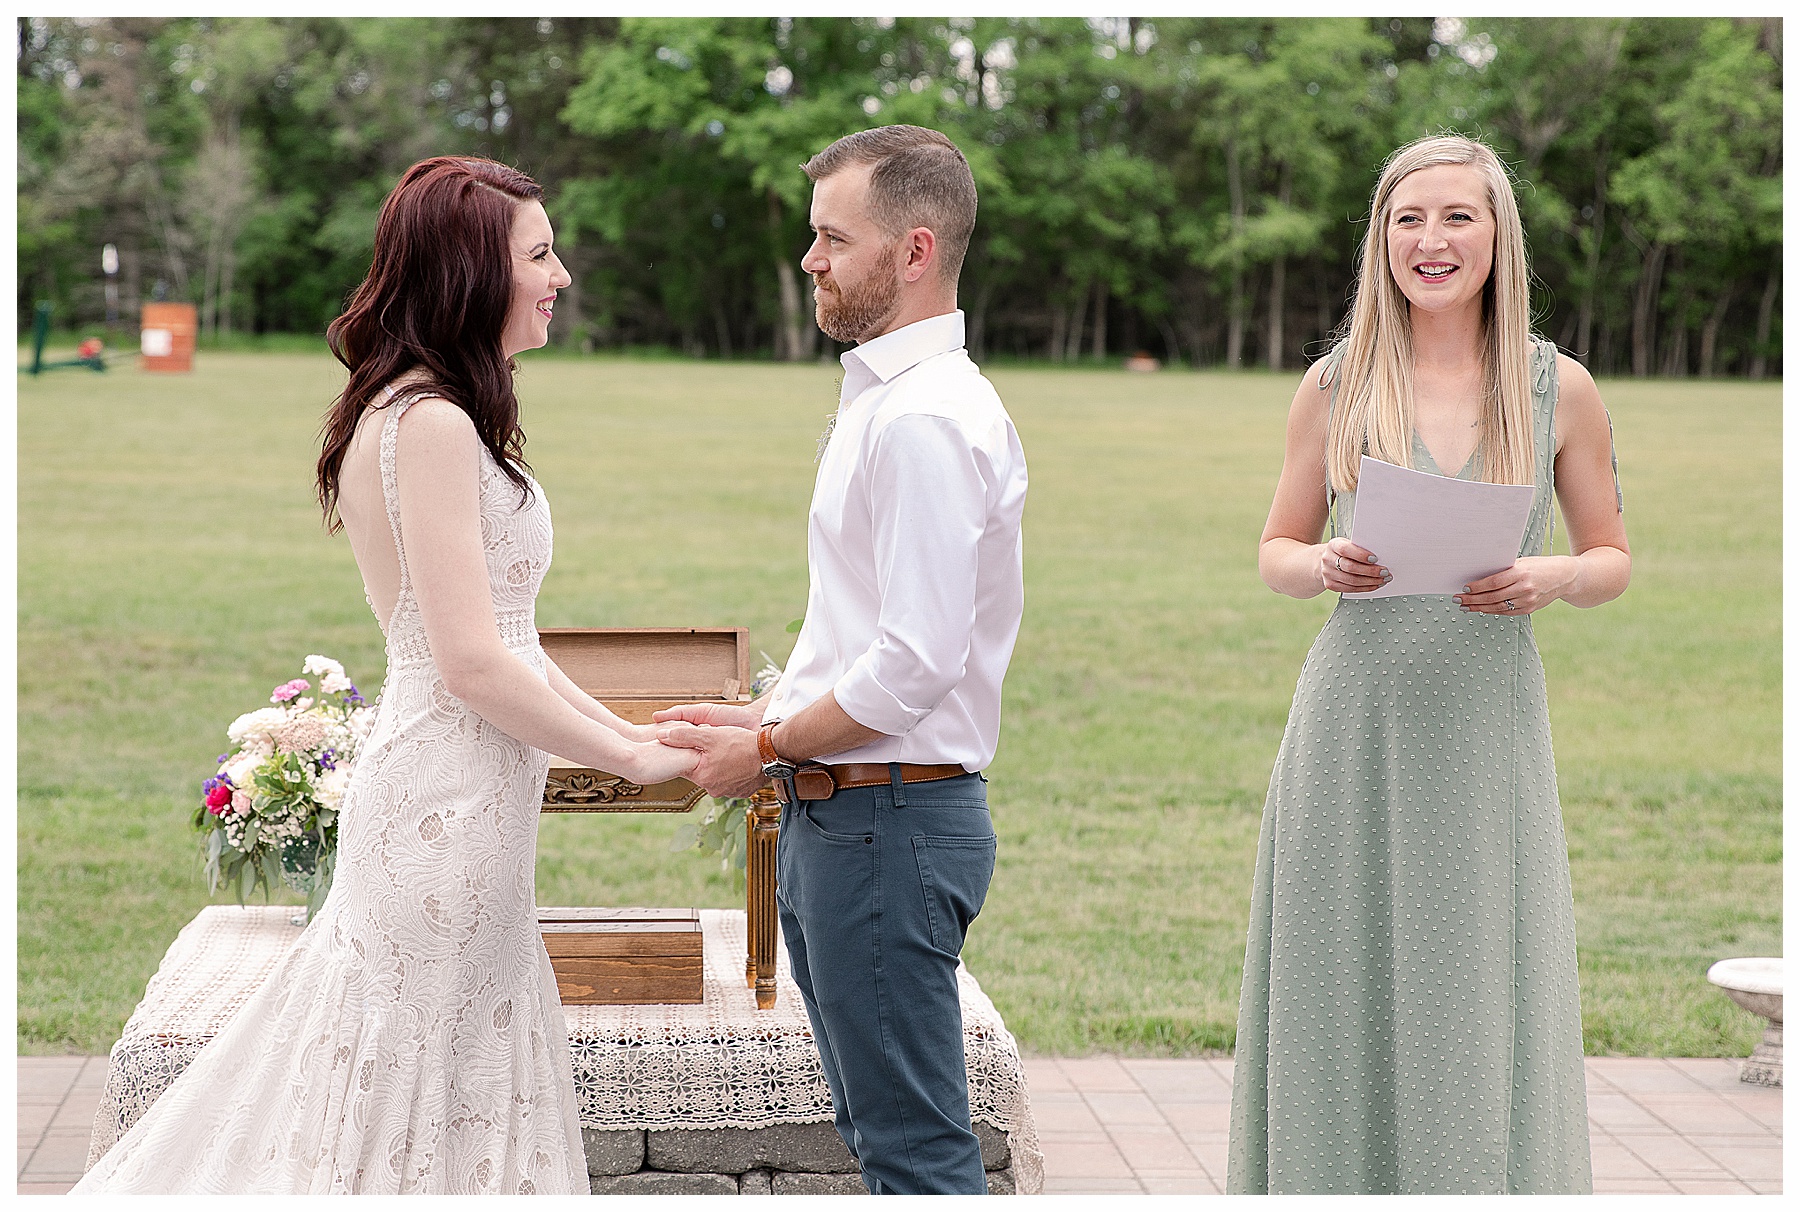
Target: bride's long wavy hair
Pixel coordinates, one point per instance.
(435, 304)
(1374, 371)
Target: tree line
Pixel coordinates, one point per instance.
(1195, 188)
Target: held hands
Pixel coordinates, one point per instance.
(1532, 583)
(728, 762)
(658, 763)
(1346, 568)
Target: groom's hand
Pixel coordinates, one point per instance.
(717, 715)
(729, 763)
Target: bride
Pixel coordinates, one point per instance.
(412, 1039)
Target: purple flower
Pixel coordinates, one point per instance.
(218, 793)
(328, 760)
(353, 695)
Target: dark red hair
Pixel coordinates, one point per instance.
(435, 303)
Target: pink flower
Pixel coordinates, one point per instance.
(289, 690)
(240, 802)
(218, 797)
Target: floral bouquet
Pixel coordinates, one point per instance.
(270, 813)
(721, 830)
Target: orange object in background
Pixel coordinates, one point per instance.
(166, 338)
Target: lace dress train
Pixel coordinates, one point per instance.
(412, 1040)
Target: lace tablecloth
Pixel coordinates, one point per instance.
(721, 1064)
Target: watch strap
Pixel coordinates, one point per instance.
(765, 742)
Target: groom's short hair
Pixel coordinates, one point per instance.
(920, 179)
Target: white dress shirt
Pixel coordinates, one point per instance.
(914, 554)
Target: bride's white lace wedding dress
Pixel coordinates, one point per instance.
(412, 1040)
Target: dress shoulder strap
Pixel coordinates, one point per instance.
(395, 405)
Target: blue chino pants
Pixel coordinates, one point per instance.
(875, 889)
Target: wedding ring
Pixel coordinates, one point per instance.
(1509, 604)
(1340, 562)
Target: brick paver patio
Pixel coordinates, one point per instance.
(1127, 1125)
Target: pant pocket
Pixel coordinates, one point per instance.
(954, 873)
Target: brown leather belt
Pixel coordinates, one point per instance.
(817, 781)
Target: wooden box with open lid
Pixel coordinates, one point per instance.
(638, 956)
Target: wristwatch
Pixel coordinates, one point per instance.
(775, 767)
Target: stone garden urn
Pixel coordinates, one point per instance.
(1755, 984)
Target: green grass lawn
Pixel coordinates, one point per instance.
(172, 568)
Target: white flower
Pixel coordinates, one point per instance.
(242, 769)
(335, 683)
(324, 666)
(765, 677)
(330, 786)
(257, 728)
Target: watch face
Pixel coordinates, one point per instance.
(778, 770)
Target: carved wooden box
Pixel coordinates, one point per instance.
(625, 957)
(636, 671)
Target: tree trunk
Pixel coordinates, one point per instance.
(1278, 286)
(1323, 303)
(1584, 326)
(1071, 349)
(209, 278)
(1171, 341)
(1675, 343)
(1277, 308)
(1059, 326)
(977, 332)
(1765, 312)
(227, 280)
(788, 340)
(721, 327)
(131, 271)
(568, 304)
(1234, 331)
(1100, 320)
(1643, 309)
(1709, 333)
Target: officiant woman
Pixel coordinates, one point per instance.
(1410, 1020)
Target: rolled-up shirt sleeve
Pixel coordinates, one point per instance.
(928, 507)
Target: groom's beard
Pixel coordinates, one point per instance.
(850, 314)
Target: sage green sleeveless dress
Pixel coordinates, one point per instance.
(1410, 1021)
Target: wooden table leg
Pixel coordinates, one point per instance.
(763, 824)
(752, 872)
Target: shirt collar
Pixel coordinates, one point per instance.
(904, 348)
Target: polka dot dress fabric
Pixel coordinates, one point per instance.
(1410, 1020)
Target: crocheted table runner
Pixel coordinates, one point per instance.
(720, 1064)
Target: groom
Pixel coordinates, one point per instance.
(890, 706)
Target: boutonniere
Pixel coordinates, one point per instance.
(830, 425)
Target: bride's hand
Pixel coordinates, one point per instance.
(658, 763)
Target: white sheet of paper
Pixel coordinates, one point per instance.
(1433, 533)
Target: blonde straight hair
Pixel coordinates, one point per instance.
(1374, 371)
